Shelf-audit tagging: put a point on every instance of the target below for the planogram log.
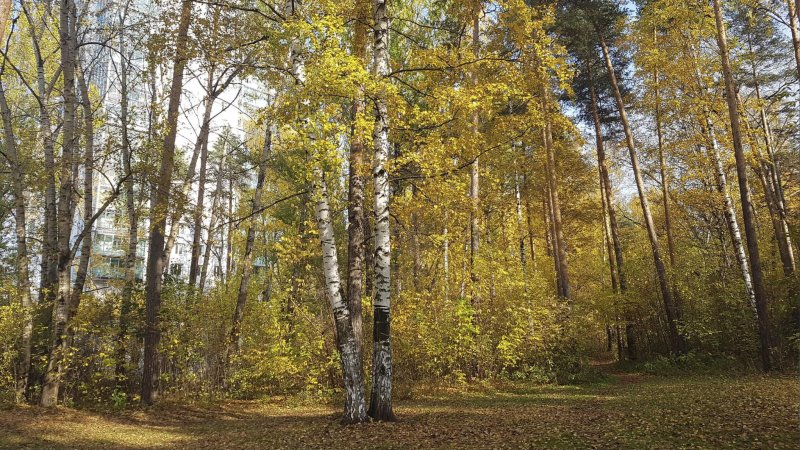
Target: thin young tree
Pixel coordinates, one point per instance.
(560, 244)
(247, 259)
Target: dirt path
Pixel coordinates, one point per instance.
(634, 411)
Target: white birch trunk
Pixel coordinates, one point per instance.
(730, 215)
(381, 399)
(23, 277)
(354, 410)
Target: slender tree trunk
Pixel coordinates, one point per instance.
(212, 226)
(200, 148)
(416, 267)
(529, 218)
(607, 241)
(671, 308)
(197, 232)
(607, 189)
(665, 190)
(548, 235)
(773, 187)
(355, 195)
(5, 13)
(520, 227)
(160, 204)
(247, 258)
(126, 302)
(551, 233)
(16, 173)
(67, 33)
(355, 402)
(88, 203)
(446, 256)
(730, 212)
(529, 224)
(793, 18)
(474, 178)
(744, 190)
(380, 407)
(662, 166)
(552, 182)
(229, 265)
(49, 265)
(49, 239)
(88, 192)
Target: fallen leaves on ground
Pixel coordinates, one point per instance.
(634, 412)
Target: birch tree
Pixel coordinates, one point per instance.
(349, 353)
(17, 171)
(380, 407)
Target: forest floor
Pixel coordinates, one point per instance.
(625, 410)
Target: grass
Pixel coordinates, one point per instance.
(626, 411)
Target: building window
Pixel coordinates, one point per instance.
(108, 219)
(103, 242)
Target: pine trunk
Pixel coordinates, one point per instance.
(474, 181)
(5, 13)
(744, 190)
(672, 310)
(558, 229)
(609, 247)
(551, 233)
(607, 190)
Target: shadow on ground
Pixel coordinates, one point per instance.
(634, 412)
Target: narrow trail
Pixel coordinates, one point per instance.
(607, 364)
